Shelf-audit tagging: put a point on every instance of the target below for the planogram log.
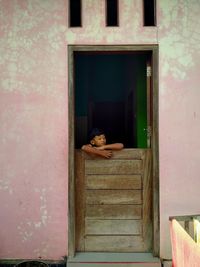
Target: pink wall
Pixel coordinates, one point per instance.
(33, 114)
(33, 129)
(179, 31)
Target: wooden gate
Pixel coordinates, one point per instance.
(113, 200)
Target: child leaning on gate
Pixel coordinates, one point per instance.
(98, 144)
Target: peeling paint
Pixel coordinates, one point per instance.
(28, 228)
(177, 36)
(6, 186)
(43, 208)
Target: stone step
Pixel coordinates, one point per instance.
(114, 264)
(113, 260)
(167, 263)
(136, 264)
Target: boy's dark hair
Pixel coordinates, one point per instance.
(95, 132)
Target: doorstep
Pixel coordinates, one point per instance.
(93, 259)
(167, 263)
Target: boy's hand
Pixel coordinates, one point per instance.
(105, 153)
(100, 151)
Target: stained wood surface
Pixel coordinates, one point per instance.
(113, 227)
(111, 166)
(113, 181)
(128, 153)
(113, 243)
(147, 202)
(113, 197)
(115, 213)
(80, 202)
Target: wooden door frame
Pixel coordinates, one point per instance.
(71, 140)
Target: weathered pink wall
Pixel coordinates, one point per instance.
(179, 112)
(33, 129)
(34, 35)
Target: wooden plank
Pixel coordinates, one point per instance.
(113, 197)
(127, 153)
(71, 222)
(80, 201)
(110, 166)
(113, 227)
(147, 202)
(113, 181)
(113, 211)
(155, 155)
(114, 243)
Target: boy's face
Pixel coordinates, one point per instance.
(99, 140)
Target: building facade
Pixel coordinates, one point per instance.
(34, 98)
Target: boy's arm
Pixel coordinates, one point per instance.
(115, 146)
(92, 150)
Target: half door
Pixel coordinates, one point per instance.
(113, 202)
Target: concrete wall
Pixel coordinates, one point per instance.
(34, 35)
(33, 129)
(179, 111)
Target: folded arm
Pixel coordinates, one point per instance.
(115, 146)
(93, 150)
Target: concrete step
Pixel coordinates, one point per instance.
(136, 264)
(113, 260)
(167, 263)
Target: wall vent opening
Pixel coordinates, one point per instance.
(112, 13)
(75, 13)
(149, 11)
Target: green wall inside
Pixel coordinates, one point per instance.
(141, 104)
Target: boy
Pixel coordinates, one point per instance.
(98, 145)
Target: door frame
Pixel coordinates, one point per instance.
(71, 139)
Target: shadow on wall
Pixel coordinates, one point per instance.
(32, 263)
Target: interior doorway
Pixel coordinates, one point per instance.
(111, 94)
(114, 88)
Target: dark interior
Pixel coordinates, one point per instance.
(110, 93)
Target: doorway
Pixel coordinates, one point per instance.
(111, 94)
(113, 88)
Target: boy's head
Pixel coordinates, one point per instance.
(97, 137)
